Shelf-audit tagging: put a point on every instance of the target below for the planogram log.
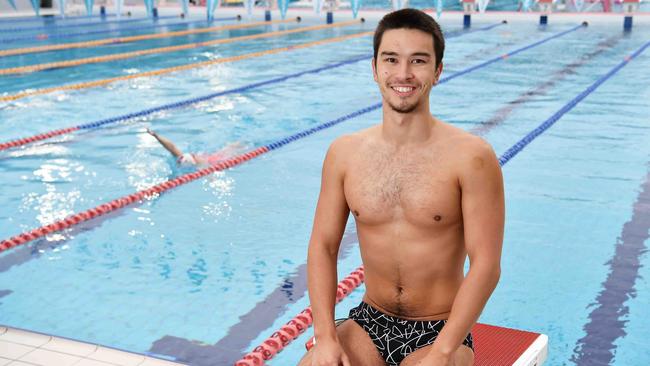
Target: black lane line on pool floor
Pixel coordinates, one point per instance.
(262, 316)
(607, 320)
(503, 113)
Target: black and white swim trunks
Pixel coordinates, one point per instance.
(396, 338)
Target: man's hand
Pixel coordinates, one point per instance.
(329, 353)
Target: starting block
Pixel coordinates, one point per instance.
(499, 346)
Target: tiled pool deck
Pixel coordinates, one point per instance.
(23, 348)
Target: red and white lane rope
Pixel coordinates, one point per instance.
(105, 208)
(296, 326)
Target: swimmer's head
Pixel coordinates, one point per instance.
(411, 19)
(186, 159)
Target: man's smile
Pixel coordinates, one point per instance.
(403, 90)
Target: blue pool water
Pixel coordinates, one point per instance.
(210, 269)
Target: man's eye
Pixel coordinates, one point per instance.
(418, 61)
(391, 59)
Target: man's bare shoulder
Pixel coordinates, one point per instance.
(471, 151)
(347, 144)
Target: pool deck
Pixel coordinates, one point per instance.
(23, 348)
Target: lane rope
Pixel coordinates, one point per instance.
(96, 83)
(45, 36)
(112, 41)
(296, 326)
(184, 103)
(54, 27)
(152, 51)
(186, 178)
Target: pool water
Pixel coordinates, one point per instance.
(208, 270)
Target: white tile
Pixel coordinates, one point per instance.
(23, 337)
(117, 357)
(71, 347)
(89, 362)
(158, 362)
(13, 351)
(4, 361)
(44, 357)
(18, 363)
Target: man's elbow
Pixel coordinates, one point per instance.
(488, 272)
(320, 248)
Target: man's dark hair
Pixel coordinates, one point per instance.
(411, 19)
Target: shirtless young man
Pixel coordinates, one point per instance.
(425, 195)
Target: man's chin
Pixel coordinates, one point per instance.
(403, 109)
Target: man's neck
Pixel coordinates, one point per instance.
(401, 129)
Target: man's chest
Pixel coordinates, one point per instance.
(420, 189)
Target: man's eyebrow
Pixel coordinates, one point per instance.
(390, 53)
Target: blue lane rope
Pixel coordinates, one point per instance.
(516, 148)
(187, 102)
(522, 49)
(38, 37)
(54, 27)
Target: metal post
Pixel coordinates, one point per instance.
(629, 8)
(546, 8)
(468, 9)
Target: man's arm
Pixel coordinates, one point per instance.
(329, 224)
(483, 212)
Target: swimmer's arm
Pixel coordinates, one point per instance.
(166, 143)
(483, 212)
(329, 224)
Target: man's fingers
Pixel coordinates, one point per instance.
(345, 360)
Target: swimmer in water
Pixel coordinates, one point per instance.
(187, 159)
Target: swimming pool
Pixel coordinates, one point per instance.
(208, 270)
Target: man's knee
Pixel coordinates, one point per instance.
(306, 359)
(464, 356)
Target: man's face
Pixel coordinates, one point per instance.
(405, 69)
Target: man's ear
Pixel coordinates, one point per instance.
(374, 68)
(438, 73)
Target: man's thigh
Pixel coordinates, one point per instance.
(464, 356)
(357, 345)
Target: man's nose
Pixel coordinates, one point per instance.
(405, 70)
